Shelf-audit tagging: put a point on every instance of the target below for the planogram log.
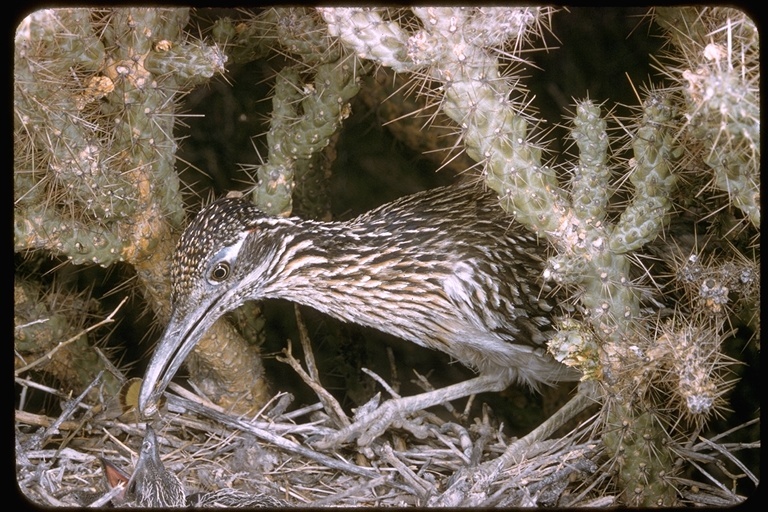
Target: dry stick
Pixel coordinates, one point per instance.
(106, 498)
(732, 430)
(275, 405)
(273, 426)
(389, 389)
(36, 440)
(424, 384)
(30, 324)
(114, 370)
(464, 451)
(487, 472)
(517, 450)
(309, 355)
(711, 478)
(51, 501)
(395, 379)
(352, 491)
(331, 405)
(74, 338)
(42, 387)
(86, 417)
(40, 420)
(297, 413)
(269, 437)
(720, 449)
(422, 487)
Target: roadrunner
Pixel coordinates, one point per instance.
(152, 485)
(445, 268)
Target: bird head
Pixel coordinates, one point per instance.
(223, 258)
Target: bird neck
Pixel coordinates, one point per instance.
(312, 254)
(343, 268)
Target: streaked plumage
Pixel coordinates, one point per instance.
(444, 268)
(232, 498)
(152, 485)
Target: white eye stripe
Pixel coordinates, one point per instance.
(223, 261)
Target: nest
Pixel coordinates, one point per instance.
(421, 460)
(209, 449)
(58, 463)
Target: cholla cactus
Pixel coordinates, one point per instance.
(715, 63)
(457, 50)
(96, 102)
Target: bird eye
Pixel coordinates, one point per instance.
(220, 272)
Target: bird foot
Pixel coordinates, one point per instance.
(371, 421)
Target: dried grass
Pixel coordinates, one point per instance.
(58, 459)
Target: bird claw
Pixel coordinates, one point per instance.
(365, 429)
(371, 424)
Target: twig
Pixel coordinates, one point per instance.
(730, 457)
(275, 406)
(421, 486)
(109, 366)
(40, 420)
(393, 369)
(29, 324)
(36, 385)
(381, 381)
(309, 355)
(36, 440)
(329, 402)
(49, 355)
(269, 437)
(297, 413)
(731, 431)
(70, 409)
(106, 498)
(352, 491)
(332, 406)
(462, 437)
(194, 397)
(424, 384)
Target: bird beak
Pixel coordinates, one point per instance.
(180, 337)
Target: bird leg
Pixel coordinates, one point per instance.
(370, 425)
